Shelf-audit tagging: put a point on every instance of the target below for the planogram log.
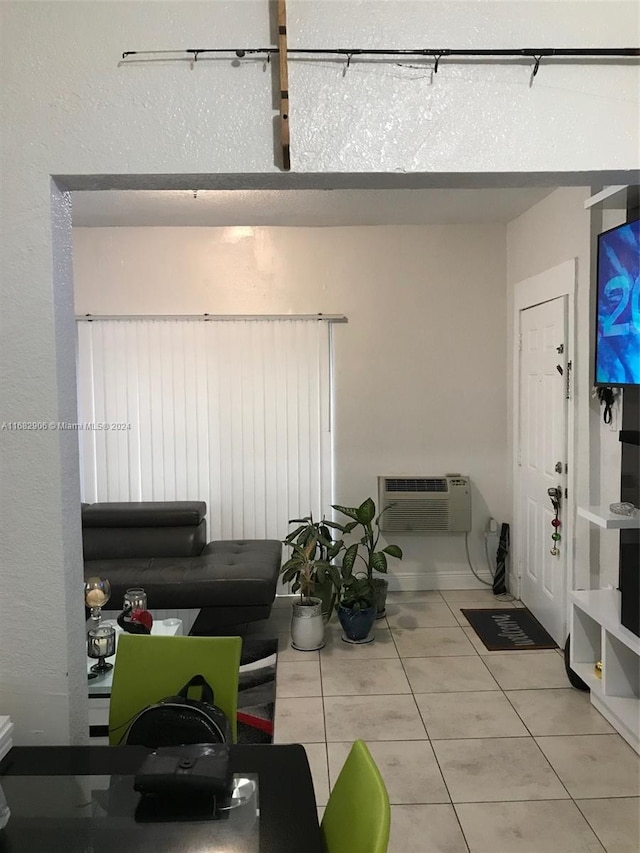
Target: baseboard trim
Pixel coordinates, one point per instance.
(441, 580)
(408, 581)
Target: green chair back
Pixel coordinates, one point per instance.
(149, 668)
(358, 815)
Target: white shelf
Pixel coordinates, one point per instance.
(603, 605)
(598, 635)
(602, 516)
(614, 197)
(623, 714)
(586, 671)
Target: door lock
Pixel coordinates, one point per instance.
(555, 496)
(558, 468)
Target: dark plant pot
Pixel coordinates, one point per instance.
(381, 586)
(357, 624)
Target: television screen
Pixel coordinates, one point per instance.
(618, 306)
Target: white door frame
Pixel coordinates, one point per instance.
(551, 284)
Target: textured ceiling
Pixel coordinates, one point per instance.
(302, 207)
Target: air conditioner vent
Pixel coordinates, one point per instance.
(425, 504)
(416, 484)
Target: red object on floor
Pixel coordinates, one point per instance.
(256, 722)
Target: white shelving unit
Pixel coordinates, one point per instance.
(598, 635)
(612, 198)
(603, 517)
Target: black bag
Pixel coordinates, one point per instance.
(179, 720)
(186, 771)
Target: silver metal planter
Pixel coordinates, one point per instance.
(307, 625)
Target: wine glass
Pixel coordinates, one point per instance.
(96, 594)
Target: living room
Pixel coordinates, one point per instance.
(429, 334)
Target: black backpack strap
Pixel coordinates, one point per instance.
(198, 681)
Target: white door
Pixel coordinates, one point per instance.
(543, 461)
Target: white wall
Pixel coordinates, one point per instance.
(558, 229)
(419, 368)
(70, 110)
(488, 118)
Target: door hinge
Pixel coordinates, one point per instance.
(566, 493)
(568, 394)
(520, 342)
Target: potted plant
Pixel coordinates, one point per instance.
(311, 573)
(364, 517)
(357, 607)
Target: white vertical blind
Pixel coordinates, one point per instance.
(232, 412)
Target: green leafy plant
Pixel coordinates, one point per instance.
(312, 559)
(354, 590)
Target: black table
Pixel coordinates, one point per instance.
(288, 821)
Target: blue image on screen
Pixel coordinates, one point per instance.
(618, 308)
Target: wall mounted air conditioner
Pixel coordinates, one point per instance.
(425, 504)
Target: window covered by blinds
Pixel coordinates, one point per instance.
(235, 412)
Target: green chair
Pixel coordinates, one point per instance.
(149, 668)
(358, 815)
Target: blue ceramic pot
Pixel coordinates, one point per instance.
(357, 624)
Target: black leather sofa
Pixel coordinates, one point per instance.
(162, 546)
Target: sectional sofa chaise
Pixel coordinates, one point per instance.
(162, 546)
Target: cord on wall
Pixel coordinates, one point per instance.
(473, 571)
(606, 397)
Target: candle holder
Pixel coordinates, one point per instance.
(97, 593)
(135, 598)
(101, 644)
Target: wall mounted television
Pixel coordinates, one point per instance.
(618, 307)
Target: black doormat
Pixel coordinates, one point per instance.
(515, 629)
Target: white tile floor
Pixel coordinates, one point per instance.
(482, 752)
